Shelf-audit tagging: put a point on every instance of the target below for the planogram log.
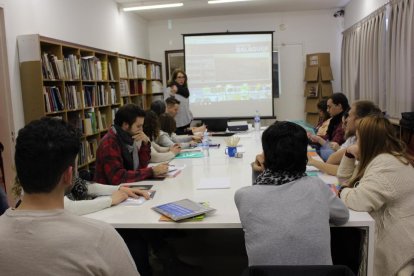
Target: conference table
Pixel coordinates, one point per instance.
(216, 168)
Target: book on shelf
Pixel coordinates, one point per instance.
(104, 64)
(124, 87)
(156, 87)
(142, 71)
(111, 74)
(89, 95)
(92, 147)
(52, 98)
(122, 68)
(113, 94)
(155, 71)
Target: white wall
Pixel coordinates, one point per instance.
(96, 23)
(358, 9)
(314, 31)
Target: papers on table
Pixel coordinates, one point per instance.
(214, 183)
(174, 170)
(311, 169)
(133, 201)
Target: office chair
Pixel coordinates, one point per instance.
(298, 270)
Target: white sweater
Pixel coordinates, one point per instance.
(386, 191)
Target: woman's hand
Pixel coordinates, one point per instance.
(317, 139)
(197, 138)
(117, 197)
(176, 148)
(354, 150)
(334, 145)
(311, 161)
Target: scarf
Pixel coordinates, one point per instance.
(129, 148)
(335, 121)
(182, 90)
(268, 177)
(79, 190)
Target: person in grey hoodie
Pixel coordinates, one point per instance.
(285, 215)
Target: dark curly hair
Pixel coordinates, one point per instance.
(285, 147)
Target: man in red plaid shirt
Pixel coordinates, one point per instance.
(124, 152)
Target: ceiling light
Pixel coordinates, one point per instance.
(225, 1)
(140, 8)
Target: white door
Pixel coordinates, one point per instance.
(291, 103)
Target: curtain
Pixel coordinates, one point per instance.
(377, 58)
(400, 79)
(350, 64)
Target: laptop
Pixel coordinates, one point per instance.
(215, 124)
(182, 209)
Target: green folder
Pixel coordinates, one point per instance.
(189, 154)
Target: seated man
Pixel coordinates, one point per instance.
(124, 152)
(172, 109)
(286, 214)
(39, 237)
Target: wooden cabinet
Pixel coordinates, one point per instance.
(82, 85)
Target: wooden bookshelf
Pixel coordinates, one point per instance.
(83, 86)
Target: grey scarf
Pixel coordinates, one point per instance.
(269, 177)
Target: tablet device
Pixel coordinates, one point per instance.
(182, 209)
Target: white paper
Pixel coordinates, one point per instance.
(214, 183)
(173, 170)
(328, 179)
(311, 169)
(133, 201)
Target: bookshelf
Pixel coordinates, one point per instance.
(83, 85)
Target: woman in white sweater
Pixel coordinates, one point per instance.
(167, 136)
(383, 185)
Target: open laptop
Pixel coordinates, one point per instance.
(182, 209)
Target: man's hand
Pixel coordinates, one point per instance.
(176, 148)
(258, 164)
(160, 169)
(135, 192)
(117, 197)
(140, 136)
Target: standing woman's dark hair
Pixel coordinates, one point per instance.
(151, 125)
(285, 148)
(181, 89)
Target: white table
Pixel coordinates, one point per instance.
(184, 185)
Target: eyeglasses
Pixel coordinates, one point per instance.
(181, 77)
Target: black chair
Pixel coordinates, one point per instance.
(298, 270)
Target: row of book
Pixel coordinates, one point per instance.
(155, 72)
(131, 69)
(134, 87)
(94, 122)
(87, 151)
(95, 69)
(99, 95)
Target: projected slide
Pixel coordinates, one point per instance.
(229, 75)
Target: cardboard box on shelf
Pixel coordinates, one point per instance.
(311, 105)
(311, 74)
(326, 73)
(318, 59)
(312, 90)
(326, 89)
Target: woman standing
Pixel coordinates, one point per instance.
(382, 184)
(178, 88)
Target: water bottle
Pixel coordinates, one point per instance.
(257, 121)
(205, 144)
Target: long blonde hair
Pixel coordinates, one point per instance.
(377, 135)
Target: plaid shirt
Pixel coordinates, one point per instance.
(110, 168)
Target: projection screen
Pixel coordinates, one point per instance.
(229, 74)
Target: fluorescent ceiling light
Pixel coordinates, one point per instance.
(140, 8)
(225, 1)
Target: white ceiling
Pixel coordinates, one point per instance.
(199, 8)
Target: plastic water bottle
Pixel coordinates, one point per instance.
(257, 121)
(205, 144)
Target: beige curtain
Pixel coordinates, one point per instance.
(363, 60)
(400, 78)
(350, 63)
(377, 58)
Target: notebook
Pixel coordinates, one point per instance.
(182, 209)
